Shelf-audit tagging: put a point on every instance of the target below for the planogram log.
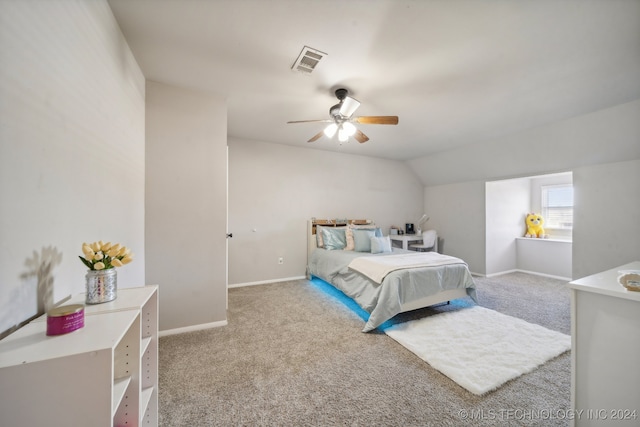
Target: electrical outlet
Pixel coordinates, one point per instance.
(281, 260)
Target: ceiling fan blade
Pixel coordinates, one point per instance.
(316, 136)
(376, 120)
(348, 106)
(361, 137)
(311, 121)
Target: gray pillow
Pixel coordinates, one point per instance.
(362, 239)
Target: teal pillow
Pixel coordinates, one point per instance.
(362, 239)
(377, 230)
(380, 244)
(334, 238)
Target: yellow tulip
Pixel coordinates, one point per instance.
(106, 254)
(113, 252)
(88, 252)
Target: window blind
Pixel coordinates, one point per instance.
(557, 206)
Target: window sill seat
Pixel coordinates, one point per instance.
(545, 240)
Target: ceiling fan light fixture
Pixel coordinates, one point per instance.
(349, 106)
(330, 130)
(341, 120)
(349, 129)
(343, 136)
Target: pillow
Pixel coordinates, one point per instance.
(377, 230)
(319, 237)
(319, 241)
(334, 238)
(362, 239)
(380, 244)
(351, 244)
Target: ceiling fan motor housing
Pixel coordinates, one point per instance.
(334, 111)
(341, 93)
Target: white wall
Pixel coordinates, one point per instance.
(547, 257)
(606, 230)
(186, 209)
(507, 202)
(591, 146)
(457, 212)
(71, 148)
(275, 189)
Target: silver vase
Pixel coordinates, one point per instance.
(102, 286)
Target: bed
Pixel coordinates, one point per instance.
(381, 279)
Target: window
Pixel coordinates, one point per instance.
(557, 206)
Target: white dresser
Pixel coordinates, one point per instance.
(605, 332)
(104, 374)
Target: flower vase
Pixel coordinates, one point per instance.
(102, 286)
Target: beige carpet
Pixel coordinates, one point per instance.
(293, 355)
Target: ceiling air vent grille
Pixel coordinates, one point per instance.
(308, 60)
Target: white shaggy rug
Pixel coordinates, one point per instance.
(478, 348)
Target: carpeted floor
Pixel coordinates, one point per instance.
(293, 355)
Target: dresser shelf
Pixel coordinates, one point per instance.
(104, 374)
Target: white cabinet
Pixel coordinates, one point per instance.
(104, 374)
(605, 333)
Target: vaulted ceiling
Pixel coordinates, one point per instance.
(456, 72)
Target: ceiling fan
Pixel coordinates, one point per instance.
(341, 120)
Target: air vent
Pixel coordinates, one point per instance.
(308, 60)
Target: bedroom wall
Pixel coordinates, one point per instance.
(606, 221)
(507, 202)
(457, 213)
(591, 146)
(71, 149)
(186, 211)
(274, 189)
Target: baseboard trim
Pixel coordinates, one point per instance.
(266, 282)
(192, 328)
(500, 273)
(551, 276)
(535, 273)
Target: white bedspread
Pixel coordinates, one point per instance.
(376, 268)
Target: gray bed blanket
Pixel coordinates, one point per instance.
(383, 301)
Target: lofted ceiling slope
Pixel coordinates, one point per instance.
(456, 72)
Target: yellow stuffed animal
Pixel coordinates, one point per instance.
(534, 226)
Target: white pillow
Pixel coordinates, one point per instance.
(380, 244)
